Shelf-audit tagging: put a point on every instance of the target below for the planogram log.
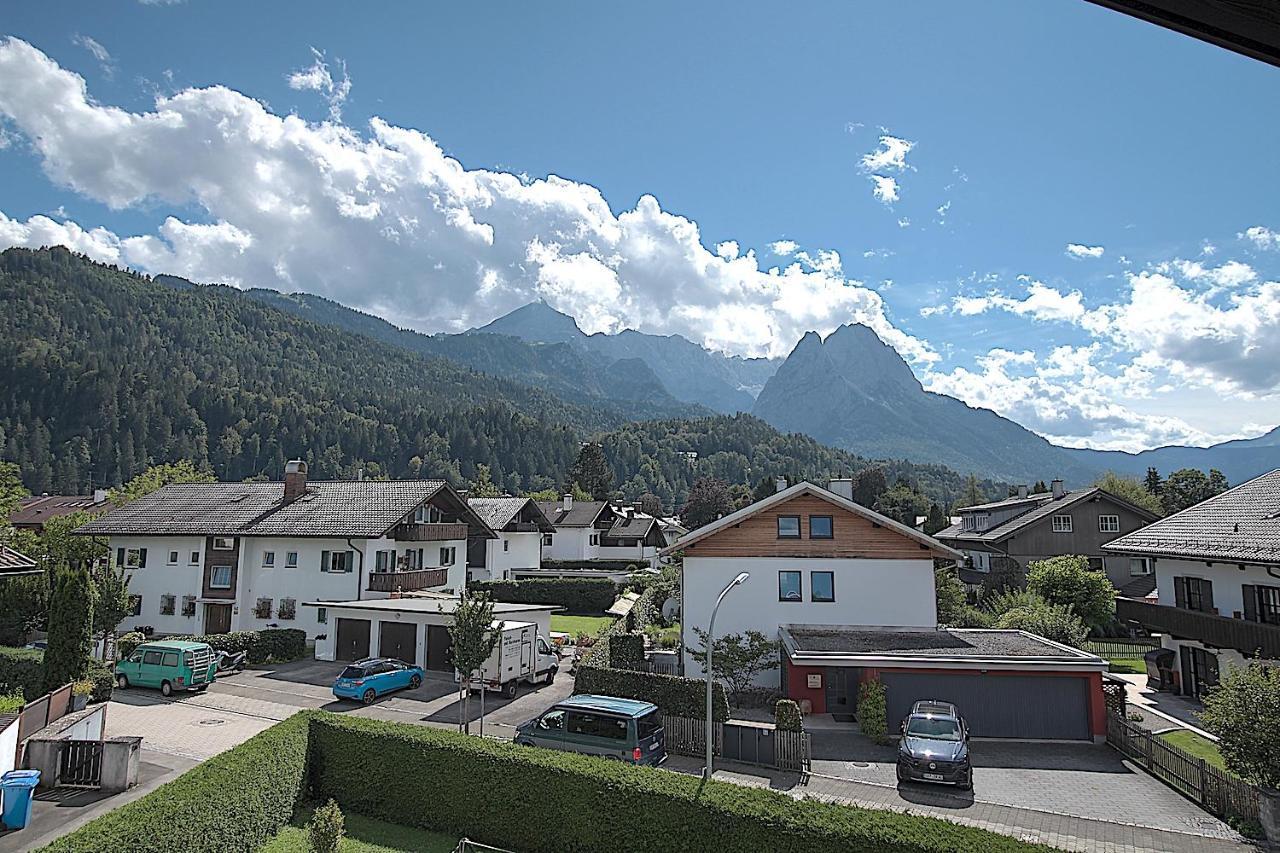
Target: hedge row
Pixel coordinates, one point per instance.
(22, 670)
(535, 800)
(585, 596)
(673, 694)
(233, 802)
(268, 644)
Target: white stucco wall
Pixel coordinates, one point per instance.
(1227, 579)
(522, 551)
(883, 593)
(571, 543)
(160, 577)
(304, 583)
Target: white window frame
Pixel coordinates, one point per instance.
(1112, 525)
(224, 543)
(213, 578)
(980, 561)
(133, 558)
(448, 555)
(1144, 562)
(593, 539)
(195, 558)
(546, 539)
(291, 559)
(506, 545)
(173, 558)
(268, 559)
(1063, 524)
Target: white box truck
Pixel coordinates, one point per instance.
(520, 655)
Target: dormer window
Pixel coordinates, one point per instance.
(976, 521)
(426, 514)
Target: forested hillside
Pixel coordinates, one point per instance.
(106, 372)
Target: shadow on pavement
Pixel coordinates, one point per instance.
(935, 796)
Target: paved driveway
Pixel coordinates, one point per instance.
(1076, 779)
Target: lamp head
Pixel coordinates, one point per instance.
(741, 577)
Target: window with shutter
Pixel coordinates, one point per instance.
(324, 561)
(1249, 594)
(1180, 592)
(1268, 599)
(142, 558)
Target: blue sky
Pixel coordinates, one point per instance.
(1009, 131)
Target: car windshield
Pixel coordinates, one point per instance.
(352, 672)
(934, 728)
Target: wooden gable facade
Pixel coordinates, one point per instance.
(853, 536)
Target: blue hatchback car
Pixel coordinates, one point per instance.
(366, 680)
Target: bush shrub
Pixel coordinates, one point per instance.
(626, 651)
(102, 679)
(126, 644)
(264, 646)
(786, 716)
(235, 801)
(583, 596)
(10, 703)
(673, 694)
(872, 716)
(326, 828)
(539, 800)
(22, 671)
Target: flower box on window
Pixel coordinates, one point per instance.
(188, 605)
(288, 608)
(167, 603)
(262, 610)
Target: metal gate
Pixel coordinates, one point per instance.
(1031, 707)
(352, 639)
(80, 764)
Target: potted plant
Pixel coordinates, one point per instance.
(80, 692)
(1244, 712)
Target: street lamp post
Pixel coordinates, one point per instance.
(711, 629)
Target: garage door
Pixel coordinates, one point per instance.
(398, 640)
(1017, 706)
(353, 639)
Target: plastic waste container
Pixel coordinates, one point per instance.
(18, 787)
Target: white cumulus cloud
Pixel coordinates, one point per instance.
(383, 220)
(1078, 250)
(1261, 237)
(317, 78)
(885, 189)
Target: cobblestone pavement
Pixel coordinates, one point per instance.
(1066, 832)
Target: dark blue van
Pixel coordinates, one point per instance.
(621, 729)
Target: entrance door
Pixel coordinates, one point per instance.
(842, 690)
(1199, 671)
(398, 640)
(439, 644)
(353, 639)
(217, 618)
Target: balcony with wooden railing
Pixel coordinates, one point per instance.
(1223, 632)
(429, 532)
(414, 580)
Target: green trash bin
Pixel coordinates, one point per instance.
(18, 787)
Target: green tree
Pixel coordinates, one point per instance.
(737, 659)
(591, 471)
(1039, 488)
(1153, 482)
(11, 490)
(709, 499)
(157, 477)
(951, 597)
(868, 486)
(70, 627)
(1244, 712)
(651, 504)
(902, 503)
(1068, 581)
(474, 639)
(1189, 486)
(327, 828)
(972, 495)
(1130, 490)
(765, 487)
(1052, 621)
(936, 520)
(110, 599)
(482, 486)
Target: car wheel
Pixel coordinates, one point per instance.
(202, 688)
(415, 682)
(369, 696)
(166, 689)
(901, 776)
(967, 784)
(122, 681)
(510, 688)
(524, 743)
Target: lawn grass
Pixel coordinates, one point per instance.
(576, 625)
(364, 835)
(1198, 746)
(1131, 666)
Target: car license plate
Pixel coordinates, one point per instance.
(653, 746)
(933, 777)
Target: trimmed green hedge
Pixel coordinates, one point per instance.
(626, 651)
(673, 694)
(537, 800)
(103, 678)
(582, 596)
(263, 646)
(22, 670)
(233, 802)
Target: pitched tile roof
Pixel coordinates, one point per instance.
(499, 512)
(1047, 506)
(636, 526)
(14, 562)
(35, 511)
(1239, 525)
(582, 514)
(358, 508)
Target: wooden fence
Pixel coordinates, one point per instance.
(38, 713)
(1122, 648)
(687, 736)
(1214, 790)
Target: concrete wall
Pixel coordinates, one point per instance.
(9, 747)
(889, 593)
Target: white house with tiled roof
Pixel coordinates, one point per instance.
(597, 530)
(520, 525)
(1217, 568)
(207, 558)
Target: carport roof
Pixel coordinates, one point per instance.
(952, 648)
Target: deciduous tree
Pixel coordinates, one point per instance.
(1244, 712)
(1068, 581)
(737, 659)
(709, 499)
(474, 639)
(1130, 490)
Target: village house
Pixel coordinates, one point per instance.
(599, 531)
(1000, 539)
(208, 558)
(849, 594)
(34, 511)
(1217, 570)
(517, 550)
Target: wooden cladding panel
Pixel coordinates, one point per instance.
(854, 536)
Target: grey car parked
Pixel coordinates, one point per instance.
(935, 746)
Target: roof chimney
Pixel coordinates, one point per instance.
(295, 480)
(1023, 491)
(99, 496)
(568, 502)
(1058, 489)
(842, 487)
(780, 484)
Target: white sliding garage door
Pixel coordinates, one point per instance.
(1014, 706)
